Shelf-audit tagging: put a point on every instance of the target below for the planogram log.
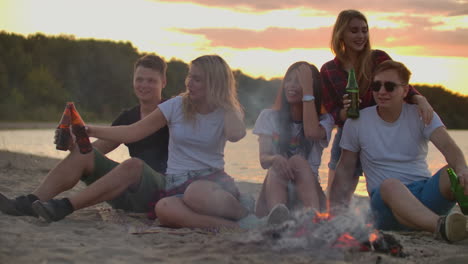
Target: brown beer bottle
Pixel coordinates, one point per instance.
(78, 129)
(64, 138)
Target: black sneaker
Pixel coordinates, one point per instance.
(452, 227)
(20, 206)
(54, 209)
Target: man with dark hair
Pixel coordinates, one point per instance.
(130, 185)
(392, 142)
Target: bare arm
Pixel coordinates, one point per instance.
(234, 127)
(344, 184)
(312, 128)
(270, 160)
(131, 133)
(424, 108)
(105, 146)
(452, 153)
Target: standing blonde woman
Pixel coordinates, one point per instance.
(351, 46)
(198, 193)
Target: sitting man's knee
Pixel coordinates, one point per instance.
(389, 185)
(132, 164)
(131, 168)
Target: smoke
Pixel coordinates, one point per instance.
(316, 233)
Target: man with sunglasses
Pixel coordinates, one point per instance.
(392, 142)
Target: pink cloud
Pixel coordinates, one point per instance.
(271, 38)
(432, 42)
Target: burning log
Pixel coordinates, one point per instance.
(319, 232)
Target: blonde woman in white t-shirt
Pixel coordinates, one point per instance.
(198, 192)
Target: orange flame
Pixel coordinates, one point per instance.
(347, 241)
(319, 217)
(373, 236)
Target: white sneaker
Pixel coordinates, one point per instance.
(452, 227)
(278, 214)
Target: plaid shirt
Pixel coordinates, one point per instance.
(335, 79)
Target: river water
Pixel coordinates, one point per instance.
(242, 161)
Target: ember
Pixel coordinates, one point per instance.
(349, 231)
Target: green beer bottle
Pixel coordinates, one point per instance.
(457, 190)
(352, 90)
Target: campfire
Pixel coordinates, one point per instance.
(326, 234)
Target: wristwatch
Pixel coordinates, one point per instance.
(308, 98)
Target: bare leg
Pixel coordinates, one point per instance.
(308, 188)
(173, 212)
(276, 191)
(109, 186)
(65, 175)
(208, 198)
(406, 208)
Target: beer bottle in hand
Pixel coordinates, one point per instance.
(78, 129)
(457, 190)
(352, 90)
(63, 139)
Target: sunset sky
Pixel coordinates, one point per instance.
(261, 37)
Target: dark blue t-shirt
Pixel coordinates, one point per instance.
(152, 149)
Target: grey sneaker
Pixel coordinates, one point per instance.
(54, 209)
(20, 206)
(278, 214)
(452, 227)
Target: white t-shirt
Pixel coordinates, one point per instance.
(267, 124)
(390, 150)
(193, 145)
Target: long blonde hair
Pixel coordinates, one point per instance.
(364, 62)
(220, 85)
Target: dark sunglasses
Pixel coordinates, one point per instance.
(389, 86)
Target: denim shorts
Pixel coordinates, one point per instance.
(335, 153)
(427, 191)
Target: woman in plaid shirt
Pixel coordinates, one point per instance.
(352, 49)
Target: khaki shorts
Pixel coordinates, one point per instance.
(136, 200)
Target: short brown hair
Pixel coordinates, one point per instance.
(399, 67)
(153, 62)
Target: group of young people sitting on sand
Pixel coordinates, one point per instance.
(176, 170)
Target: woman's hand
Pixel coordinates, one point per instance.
(346, 102)
(304, 75)
(280, 165)
(346, 106)
(424, 108)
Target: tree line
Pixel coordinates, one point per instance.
(39, 73)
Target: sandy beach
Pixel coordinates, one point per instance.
(102, 235)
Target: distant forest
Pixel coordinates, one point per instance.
(39, 73)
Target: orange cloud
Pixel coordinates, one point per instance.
(430, 42)
(447, 7)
